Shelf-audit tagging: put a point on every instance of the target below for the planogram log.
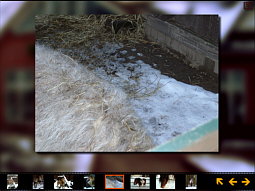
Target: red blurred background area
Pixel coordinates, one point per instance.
(17, 89)
(17, 98)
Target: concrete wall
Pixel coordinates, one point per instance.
(198, 52)
(204, 26)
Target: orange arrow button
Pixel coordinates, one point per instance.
(218, 181)
(232, 181)
(246, 181)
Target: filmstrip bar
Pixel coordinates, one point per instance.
(127, 181)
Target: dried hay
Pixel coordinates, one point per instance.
(65, 31)
(81, 36)
(78, 112)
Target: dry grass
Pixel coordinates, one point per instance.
(65, 31)
(71, 33)
(78, 112)
(75, 110)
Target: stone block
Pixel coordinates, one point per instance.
(208, 65)
(216, 68)
(162, 37)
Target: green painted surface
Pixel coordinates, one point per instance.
(186, 139)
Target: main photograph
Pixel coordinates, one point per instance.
(126, 83)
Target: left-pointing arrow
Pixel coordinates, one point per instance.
(232, 181)
(218, 181)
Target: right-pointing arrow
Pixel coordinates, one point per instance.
(246, 181)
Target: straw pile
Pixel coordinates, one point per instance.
(78, 112)
(65, 31)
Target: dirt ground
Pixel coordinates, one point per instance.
(172, 64)
(80, 33)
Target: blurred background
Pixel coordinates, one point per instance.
(237, 91)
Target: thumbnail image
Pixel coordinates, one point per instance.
(165, 181)
(89, 181)
(104, 75)
(191, 181)
(140, 181)
(114, 181)
(38, 182)
(12, 181)
(63, 181)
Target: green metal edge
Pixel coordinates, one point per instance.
(187, 138)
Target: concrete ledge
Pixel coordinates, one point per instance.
(198, 53)
(200, 139)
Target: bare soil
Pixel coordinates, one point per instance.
(173, 65)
